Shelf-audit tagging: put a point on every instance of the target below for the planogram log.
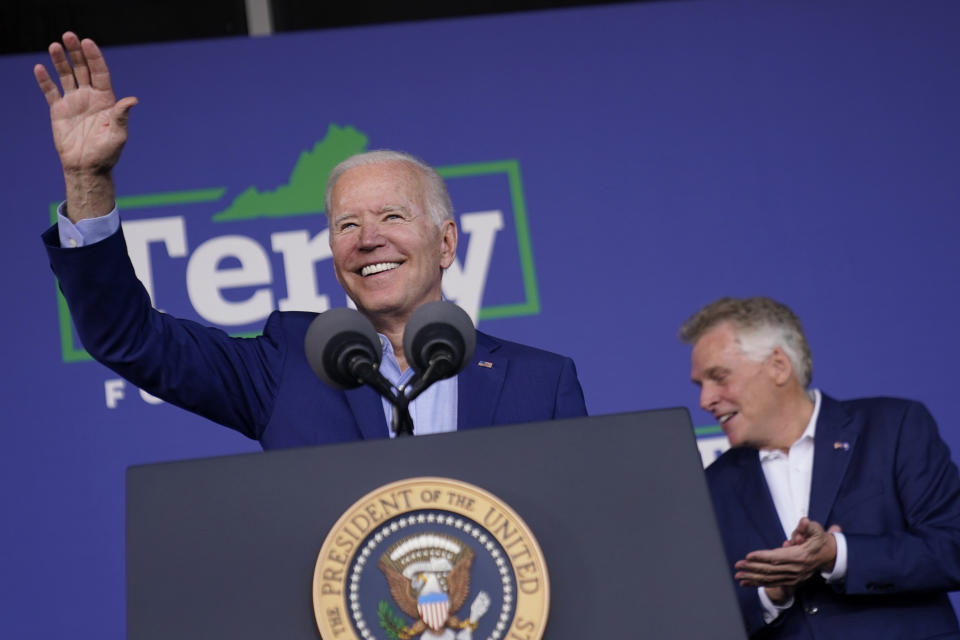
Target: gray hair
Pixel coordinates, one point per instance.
(436, 198)
(761, 325)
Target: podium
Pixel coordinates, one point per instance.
(226, 547)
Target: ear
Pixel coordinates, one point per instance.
(448, 243)
(780, 366)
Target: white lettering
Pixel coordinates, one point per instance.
(140, 233)
(113, 390)
(206, 280)
(300, 256)
(465, 285)
(150, 399)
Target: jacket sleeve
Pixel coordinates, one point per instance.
(229, 380)
(923, 553)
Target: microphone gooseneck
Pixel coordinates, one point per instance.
(438, 341)
(343, 350)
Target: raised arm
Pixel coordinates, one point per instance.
(89, 124)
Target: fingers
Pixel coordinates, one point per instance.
(804, 527)
(99, 75)
(78, 63)
(805, 531)
(770, 574)
(747, 579)
(62, 66)
(121, 111)
(769, 567)
(75, 50)
(778, 563)
(803, 555)
(783, 555)
(813, 528)
(46, 84)
(834, 528)
(88, 66)
(792, 563)
(769, 582)
(798, 535)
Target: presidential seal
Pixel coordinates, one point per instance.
(430, 559)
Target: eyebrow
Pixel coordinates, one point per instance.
(384, 209)
(710, 373)
(713, 372)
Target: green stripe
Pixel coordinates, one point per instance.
(531, 303)
(476, 168)
(709, 430)
(170, 197)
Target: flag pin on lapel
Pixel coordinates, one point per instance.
(484, 363)
(841, 445)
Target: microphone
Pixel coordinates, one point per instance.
(343, 349)
(438, 341)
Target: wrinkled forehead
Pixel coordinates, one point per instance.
(376, 185)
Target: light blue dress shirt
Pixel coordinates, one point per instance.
(434, 410)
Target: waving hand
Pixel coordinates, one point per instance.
(89, 123)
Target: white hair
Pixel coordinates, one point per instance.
(436, 198)
(759, 342)
(761, 325)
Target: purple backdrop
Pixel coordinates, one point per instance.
(661, 155)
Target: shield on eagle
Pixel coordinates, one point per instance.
(434, 609)
(429, 578)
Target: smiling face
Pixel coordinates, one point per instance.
(388, 253)
(744, 395)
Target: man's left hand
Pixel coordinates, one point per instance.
(811, 549)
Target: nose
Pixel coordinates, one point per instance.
(708, 397)
(370, 236)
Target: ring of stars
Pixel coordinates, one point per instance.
(384, 533)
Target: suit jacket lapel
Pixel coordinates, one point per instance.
(757, 502)
(479, 385)
(833, 446)
(368, 411)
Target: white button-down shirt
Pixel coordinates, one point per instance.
(789, 476)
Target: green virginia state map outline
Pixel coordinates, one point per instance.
(302, 194)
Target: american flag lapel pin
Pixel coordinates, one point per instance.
(485, 364)
(841, 445)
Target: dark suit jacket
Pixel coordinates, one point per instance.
(264, 387)
(881, 472)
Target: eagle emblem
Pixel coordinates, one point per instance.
(430, 559)
(428, 575)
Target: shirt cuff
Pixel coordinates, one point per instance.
(839, 571)
(772, 611)
(87, 231)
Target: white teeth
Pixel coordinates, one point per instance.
(726, 417)
(370, 269)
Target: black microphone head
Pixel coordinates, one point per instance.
(439, 328)
(334, 339)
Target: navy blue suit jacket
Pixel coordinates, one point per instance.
(263, 386)
(881, 472)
